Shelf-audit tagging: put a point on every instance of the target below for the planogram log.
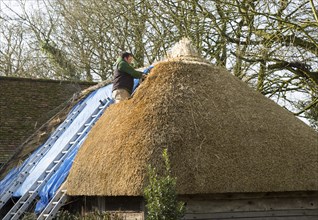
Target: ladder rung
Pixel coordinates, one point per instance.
(56, 135)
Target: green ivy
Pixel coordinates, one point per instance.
(161, 195)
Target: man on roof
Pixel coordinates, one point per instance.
(124, 75)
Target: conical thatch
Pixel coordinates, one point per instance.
(221, 137)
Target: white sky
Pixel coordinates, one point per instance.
(15, 5)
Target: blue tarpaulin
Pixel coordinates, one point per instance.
(7, 181)
(91, 102)
(49, 190)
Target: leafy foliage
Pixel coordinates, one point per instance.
(161, 194)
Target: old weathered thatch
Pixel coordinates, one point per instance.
(42, 134)
(221, 136)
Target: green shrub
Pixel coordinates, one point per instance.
(161, 195)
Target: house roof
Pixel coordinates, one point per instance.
(45, 130)
(221, 135)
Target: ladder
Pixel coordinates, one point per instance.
(25, 200)
(38, 155)
(54, 205)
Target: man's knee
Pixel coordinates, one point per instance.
(120, 95)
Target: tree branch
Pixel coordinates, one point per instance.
(300, 69)
(290, 40)
(314, 10)
(313, 103)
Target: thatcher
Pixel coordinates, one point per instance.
(221, 136)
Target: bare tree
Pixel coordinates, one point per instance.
(271, 45)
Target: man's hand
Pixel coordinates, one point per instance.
(147, 70)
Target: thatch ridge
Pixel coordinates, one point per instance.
(221, 136)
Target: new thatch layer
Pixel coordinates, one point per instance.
(221, 136)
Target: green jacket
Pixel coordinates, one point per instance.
(124, 75)
(125, 67)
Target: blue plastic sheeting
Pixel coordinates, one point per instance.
(92, 102)
(7, 180)
(13, 174)
(49, 190)
(136, 84)
(136, 81)
(51, 187)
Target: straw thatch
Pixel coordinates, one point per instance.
(221, 136)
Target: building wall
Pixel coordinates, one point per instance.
(243, 206)
(253, 206)
(25, 104)
(121, 207)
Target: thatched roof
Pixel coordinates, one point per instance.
(221, 136)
